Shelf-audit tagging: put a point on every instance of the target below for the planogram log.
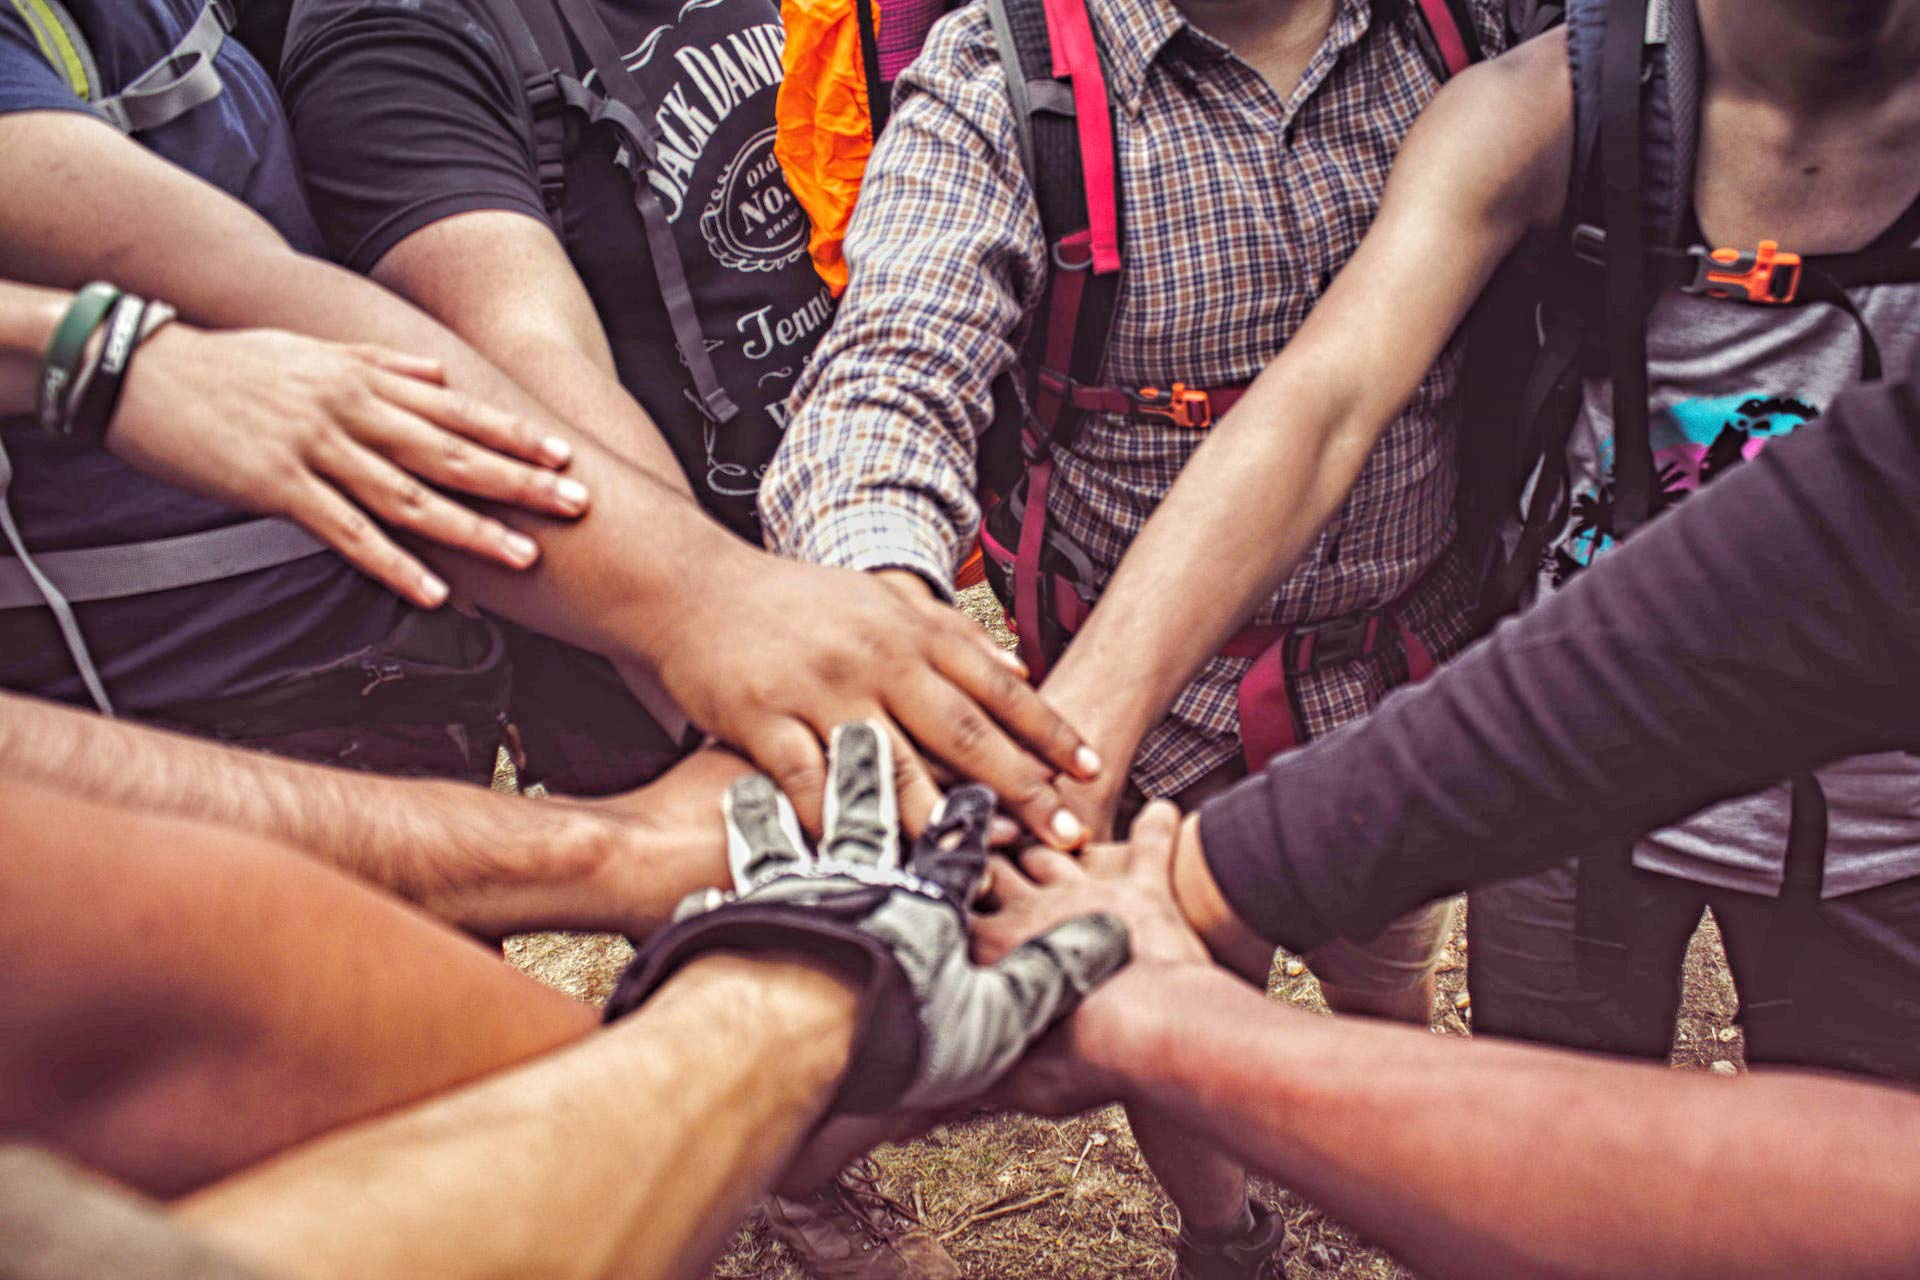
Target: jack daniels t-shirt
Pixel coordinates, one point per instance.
(407, 112)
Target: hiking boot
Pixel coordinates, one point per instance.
(1241, 1256)
(852, 1230)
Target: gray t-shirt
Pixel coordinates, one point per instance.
(1726, 379)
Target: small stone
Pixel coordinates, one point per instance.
(1727, 1035)
(1099, 1139)
(1322, 1258)
(1463, 1000)
(1295, 968)
(1724, 1069)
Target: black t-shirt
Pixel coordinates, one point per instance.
(224, 638)
(407, 113)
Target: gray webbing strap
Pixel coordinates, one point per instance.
(42, 591)
(163, 564)
(186, 78)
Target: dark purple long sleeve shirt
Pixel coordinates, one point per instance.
(1769, 624)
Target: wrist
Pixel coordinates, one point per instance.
(807, 1009)
(1201, 900)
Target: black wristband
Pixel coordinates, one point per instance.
(100, 396)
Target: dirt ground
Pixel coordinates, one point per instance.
(1022, 1199)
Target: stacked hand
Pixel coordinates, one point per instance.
(343, 440)
(774, 654)
(935, 1028)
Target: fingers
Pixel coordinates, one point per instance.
(321, 511)
(997, 682)
(790, 753)
(1049, 866)
(763, 833)
(860, 823)
(953, 851)
(954, 728)
(1010, 883)
(916, 788)
(1155, 832)
(424, 368)
(405, 502)
(458, 443)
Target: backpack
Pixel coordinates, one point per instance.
(185, 79)
(537, 35)
(1065, 125)
(1636, 68)
(1637, 71)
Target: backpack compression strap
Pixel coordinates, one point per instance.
(186, 78)
(540, 49)
(1446, 35)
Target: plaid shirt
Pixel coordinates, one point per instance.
(1240, 205)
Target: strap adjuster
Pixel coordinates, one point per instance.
(1769, 276)
(1182, 405)
(1324, 644)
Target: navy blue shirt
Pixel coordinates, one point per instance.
(195, 643)
(1606, 712)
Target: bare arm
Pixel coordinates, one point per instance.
(1469, 1160)
(1474, 175)
(490, 863)
(646, 579)
(1483, 1159)
(529, 314)
(641, 1146)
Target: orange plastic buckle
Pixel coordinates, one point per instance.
(1185, 406)
(1769, 276)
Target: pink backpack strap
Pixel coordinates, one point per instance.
(1076, 56)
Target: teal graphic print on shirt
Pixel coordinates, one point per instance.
(1693, 442)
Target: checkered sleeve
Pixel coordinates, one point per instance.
(946, 258)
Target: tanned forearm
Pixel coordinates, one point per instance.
(531, 317)
(1251, 501)
(28, 318)
(604, 582)
(489, 863)
(632, 1153)
(1488, 1158)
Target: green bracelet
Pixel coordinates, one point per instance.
(85, 314)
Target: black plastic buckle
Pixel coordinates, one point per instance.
(1590, 244)
(1336, 641)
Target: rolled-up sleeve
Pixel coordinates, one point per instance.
(945, 259)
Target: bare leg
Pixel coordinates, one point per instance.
(182, 1000)
(1208, 1186)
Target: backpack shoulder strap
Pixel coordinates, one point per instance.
(544, 63)
(1056, 83)
(1447, 37)
(182, 80)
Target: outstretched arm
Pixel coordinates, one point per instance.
(1484, 1159)
(646, 578)
(1477, 172)
(632, 1153)
(1468, 1160)
(491, 864)
(1607, 711)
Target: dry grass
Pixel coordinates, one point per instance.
(1024, 1199)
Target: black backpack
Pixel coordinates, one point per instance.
(1585, 296)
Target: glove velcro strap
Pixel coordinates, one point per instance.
(886, 1043)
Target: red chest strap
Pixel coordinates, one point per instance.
(1076, 57)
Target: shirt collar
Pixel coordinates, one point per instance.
(1134, 33)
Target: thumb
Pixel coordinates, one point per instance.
(1052, 973)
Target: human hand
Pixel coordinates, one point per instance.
(935, 1028)
(340, 439)
(776, 653)
(1132, 882)
(1072, 1069)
